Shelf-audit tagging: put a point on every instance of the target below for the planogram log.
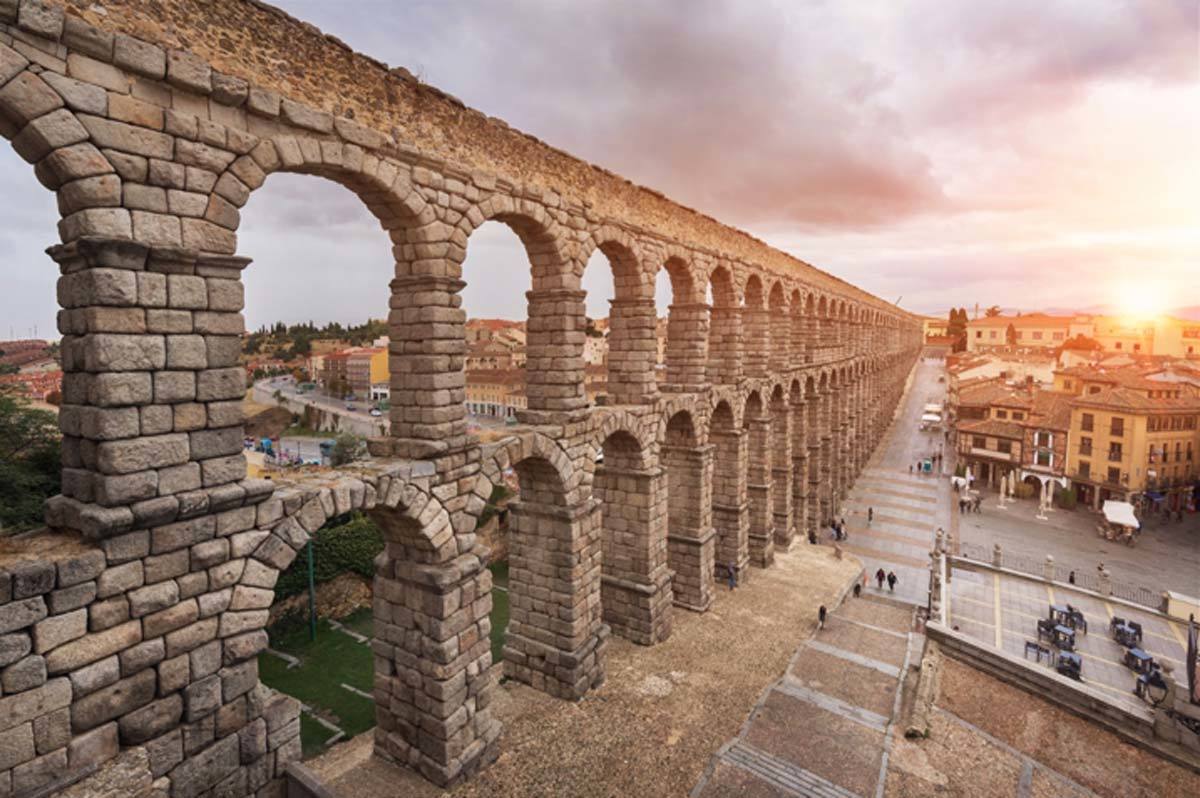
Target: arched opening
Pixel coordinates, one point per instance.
(685, 348)
(757, 424)
(690, 545)
(781, 469)
(636, 582)
(554, 640)
(824, 436)
(31, 373)
(756, 325)
(797, 333)
(620, 306)
(780, 355)
(729, 508)
(725, 332)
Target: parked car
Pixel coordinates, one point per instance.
(350, 406)
(376, 412)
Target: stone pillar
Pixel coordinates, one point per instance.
(757, 327)
(799, 467)
(782, 476)
(426, 356)
(797, 333)
(632, 352)
(554, 354)
(687, 348)
(635, 586)
(556, 637)
(825, 469)
(780, 356)
(731, 508)
(725, 345)
(152, 388)
(812, 338)
(758, 490)
(691, 538)
(433, 679)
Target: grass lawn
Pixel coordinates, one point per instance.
(326, 663)
(335, 658)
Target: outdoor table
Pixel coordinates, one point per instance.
(1138, 660)
(1064, 637)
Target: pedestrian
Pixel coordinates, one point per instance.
(891, 580)
(1100, 569)
(910, 470)
(870, 515)
(731, 569)
(1071, 577)
(812, 537)
(857, 589)
(864, 579)
(821, 617)
(879, 577)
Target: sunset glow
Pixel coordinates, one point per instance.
(1144, 299)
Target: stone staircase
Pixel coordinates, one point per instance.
(825, 728)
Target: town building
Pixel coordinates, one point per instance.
(1031, 331)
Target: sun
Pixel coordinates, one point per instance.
(1140, 300)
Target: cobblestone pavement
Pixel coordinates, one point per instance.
(1001, 610)
(908, 508)
(825, 728)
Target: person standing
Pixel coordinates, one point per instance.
(879, 577)
(870, 515)
(732, 571)
(891, 580)
(821, 617)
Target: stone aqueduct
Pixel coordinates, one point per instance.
(132, 625)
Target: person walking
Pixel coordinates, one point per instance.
(1071, 577)
(821, 617)
(910, 469)
(891, 580)
(870, 515)
(731, 569)
(879, 577)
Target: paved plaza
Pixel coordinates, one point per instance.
(1002, 611)
(908, 508)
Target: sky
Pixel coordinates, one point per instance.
(1023, 153)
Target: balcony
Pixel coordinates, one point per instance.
(992, 453)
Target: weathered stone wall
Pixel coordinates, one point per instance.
(134, 624)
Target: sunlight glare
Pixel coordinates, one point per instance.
(1140, 300)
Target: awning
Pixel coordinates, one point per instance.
(1120, 513)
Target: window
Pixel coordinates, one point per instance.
(1137, 347)
(1058, 336)
(1189, 422)
(1044, 458)
(1189, 453)
(1087, 422)
(1114, 476)
(1114, 452)
(1043, 438)
(1085, 469)
(1004, 446)
(979, 442)
(1166, 455)
(1037, 335)
(979, 333)
(1018, 415)
(991, 334)
(1094, 389)
(1177, 422)
(1152, 424)
(1085, 446)
(1178, 451)
(1001, 414)
(1117, 427)
(1117, 345)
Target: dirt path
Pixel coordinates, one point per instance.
(652, 728)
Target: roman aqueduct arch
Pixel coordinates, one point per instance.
(134, 621)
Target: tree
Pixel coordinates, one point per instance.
(30, 461)
(1010, 335)
(346, 449)
(992, 312)
(1083, 343)
(957, 328)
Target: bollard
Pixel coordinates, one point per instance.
(1106, 582)
(997, 556)
(1048, 568)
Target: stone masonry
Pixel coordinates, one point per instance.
(130, 628)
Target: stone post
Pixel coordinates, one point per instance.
(725, 345)
(997, 556)
(632, 352)
(1105, 582)
(687, 348)
(780, 355)
(556, 636)
(731, 508)
(1048, 568)
(758, 490)
(691, 538)
(554, 355)
(152, 389)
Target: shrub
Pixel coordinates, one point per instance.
(349, 545)
(1066, 499)
(1025, 490)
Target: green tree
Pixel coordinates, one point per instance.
(992, 312)
(1010, 335)
(346, 449)
(30, 461)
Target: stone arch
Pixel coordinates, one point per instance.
(730, 512)
(690, 540)
(781, 466)
(635, 586)
(697, 413)
(725, 339)
(756, 325)
(688, 322)
(780, 351)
